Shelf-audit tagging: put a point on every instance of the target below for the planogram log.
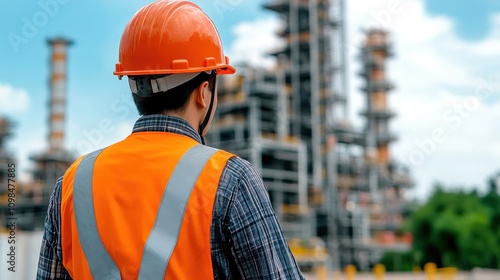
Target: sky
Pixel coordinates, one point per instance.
(472, 23)
(445, 71)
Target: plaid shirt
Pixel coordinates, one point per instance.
(246, 238)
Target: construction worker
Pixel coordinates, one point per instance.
(160, 204)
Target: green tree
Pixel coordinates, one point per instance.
(492, 202)
(455, 229)
(398, 261)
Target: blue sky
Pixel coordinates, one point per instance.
(95, 95)
(472, 18)
(95, 27)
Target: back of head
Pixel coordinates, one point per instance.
(167, 50)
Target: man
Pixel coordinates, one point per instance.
(160, 204)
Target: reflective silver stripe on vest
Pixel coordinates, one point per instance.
(165, 233)
(100, 262)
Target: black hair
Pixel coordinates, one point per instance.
(173, 100)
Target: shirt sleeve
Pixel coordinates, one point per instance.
(50, 262)
(258, 245)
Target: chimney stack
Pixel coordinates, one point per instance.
(57, 103)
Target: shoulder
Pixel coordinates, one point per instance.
(242, 180)
(242, 171)
(238, 175)
(70, 172)
(74, 165)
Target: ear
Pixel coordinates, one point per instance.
(202, 95)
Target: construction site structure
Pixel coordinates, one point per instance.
(291, 123)
(371, 183)
(6, 158)
(58, 94)
(251, 120)
(11, 187)
(52, 163)
(7, 165)
(33, 197)
(314, 66)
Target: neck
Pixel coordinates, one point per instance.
(193, 118)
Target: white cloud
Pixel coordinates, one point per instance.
(466, 153)
(98, 135)
(13, 100)
(124, 129)
(489, 47)
(434, 70)
(254, 39)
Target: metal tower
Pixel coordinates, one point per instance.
(292, 123)
(314, 63)
(52, 164)
(57, 93)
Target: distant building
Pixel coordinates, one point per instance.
(6, 158)
(331, 186)
(32, 198)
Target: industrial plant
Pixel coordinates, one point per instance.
(336, 189)
(33, 197)
(338, 192)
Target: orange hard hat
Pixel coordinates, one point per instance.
(171, 37)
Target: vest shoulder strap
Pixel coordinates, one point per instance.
(165, 233)
(101, 265)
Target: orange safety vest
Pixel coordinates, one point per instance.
(141, 209)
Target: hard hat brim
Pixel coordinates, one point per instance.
(221, 70)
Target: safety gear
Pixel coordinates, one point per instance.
(146, 86)
(171, 37)
(124, 219)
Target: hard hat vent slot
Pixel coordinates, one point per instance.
(180, 64)
(210, 61)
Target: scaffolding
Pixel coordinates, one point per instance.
(370, 183)
(340, 181)
(252, 121)
(52, 163)
(249, 122)
(388, 179)
(314, 65)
